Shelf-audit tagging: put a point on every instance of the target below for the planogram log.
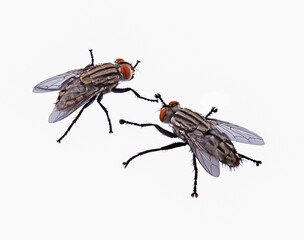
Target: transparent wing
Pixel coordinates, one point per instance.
(205, 151)
(57, 82)
(236, 133)
(72, 99)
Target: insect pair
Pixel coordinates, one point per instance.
(209, 139)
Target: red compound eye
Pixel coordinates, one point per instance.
(173, 103)
(119, 60)
(126, 72)
(162, 114)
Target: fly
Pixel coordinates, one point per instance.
(80, 87)
(209, 139)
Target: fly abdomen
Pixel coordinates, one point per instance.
(73, 82)
(71, 98)
(225, 149)
(227, 154)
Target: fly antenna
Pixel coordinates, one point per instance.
(136, 64)
(157, 95)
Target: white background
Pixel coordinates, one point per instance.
(245, 57)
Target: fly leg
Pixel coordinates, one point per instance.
(92, 59)
(257, 163)
(167, 147)
(194, 194)
(106, 111)
(157, 95)
(160, 129)
(122, 90)
(137, 62)
(213, 110)
(76, 118)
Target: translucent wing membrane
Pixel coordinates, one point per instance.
(74, 98)
(236, 133)
(204, 151)
(57, 82)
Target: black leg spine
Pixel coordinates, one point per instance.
(194, 194)
(257, 162)
(159, 128)
(122, 90)
(76, 118)
(167, 147)
(106, 111)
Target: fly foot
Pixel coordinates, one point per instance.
(257, 163)
(125, 164)
(194, 195)
(122, 121)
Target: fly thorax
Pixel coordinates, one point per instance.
(180, 133)
(104, 74)
(178, 124)
(189, 120)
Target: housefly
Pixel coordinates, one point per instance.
(80, 87)
(209, 139)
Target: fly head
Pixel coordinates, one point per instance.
(167, 111)
(125, 69)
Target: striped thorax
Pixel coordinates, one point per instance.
(108, 73)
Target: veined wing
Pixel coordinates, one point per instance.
(205, 151)
(71, 100)
(236, 133)
(57, 82)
